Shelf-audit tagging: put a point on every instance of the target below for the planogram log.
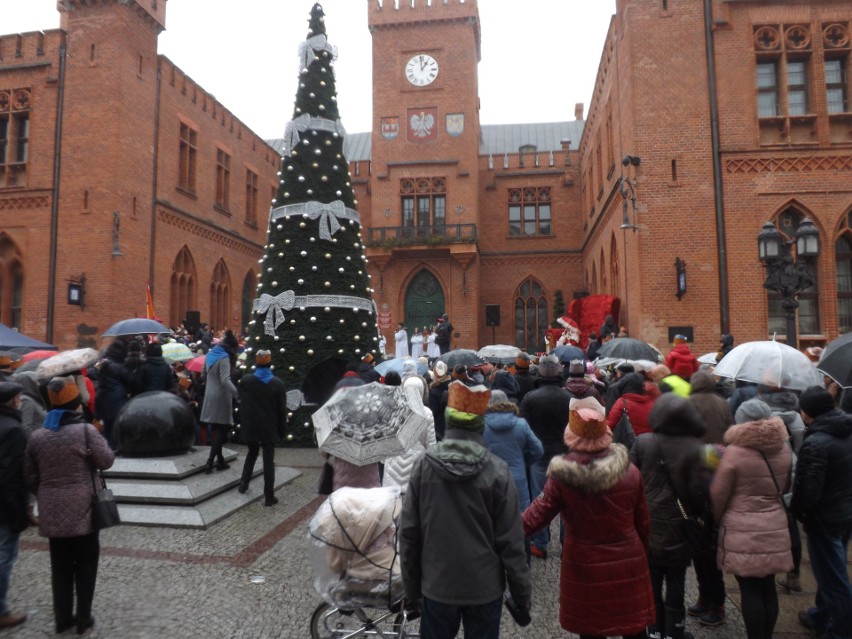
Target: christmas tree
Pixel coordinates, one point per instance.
(314, 309)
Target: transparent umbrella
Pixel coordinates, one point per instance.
(499, 353)
(67, 362)
(770, 363)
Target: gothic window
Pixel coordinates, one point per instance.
(11, 283)
(187, 158)
(604, 288)
(530, 212)
(808, 320)
(220, 297)
(14, 137)
(836, 91)
(424, 205)
(843, 260)
(783, 69)
(182, 292)
(613, 266)
(223, 180)
(531, 321)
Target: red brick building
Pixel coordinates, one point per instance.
(116, 169)
(707, 120)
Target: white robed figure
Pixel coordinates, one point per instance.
(432, 350)
(417, 343)
(383, 345)
(401, 337)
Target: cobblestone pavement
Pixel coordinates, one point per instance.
(180, 583)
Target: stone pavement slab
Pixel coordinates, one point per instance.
(156, 583)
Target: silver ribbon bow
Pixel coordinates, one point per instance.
(307, 122)
(294, 399)
(274, 308)
(308, 48)
(328, 213)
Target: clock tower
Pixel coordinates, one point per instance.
(424, 205)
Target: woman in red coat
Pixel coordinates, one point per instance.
(638, 404)
(604, 587)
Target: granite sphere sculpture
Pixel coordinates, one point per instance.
(153, 424)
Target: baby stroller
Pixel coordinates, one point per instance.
(354, 553)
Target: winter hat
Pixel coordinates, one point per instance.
(522, 361)
(587, 431)
(263, 358)
(134, 348)
(230, 341)
(9, 390)
(63, 393)
(752, 410)
(466, 407)
(460, 372)
(549, 367)
(816, 401)
(368, 358)
(440, 369)
(680, 339)
(498, 397)
(576, 368)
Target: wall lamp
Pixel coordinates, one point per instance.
(635, 160)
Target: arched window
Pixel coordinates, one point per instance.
(249, 290)
(604, 289)
(613, 267)
(843, 261)
(787, 222)
(220, 297)
(11, 283)
(595, 289)
(182, 293)
(530, 316)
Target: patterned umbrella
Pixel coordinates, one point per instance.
(67, 362)
(370, 423)
(177, 352)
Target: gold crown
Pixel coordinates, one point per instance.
(5, 361)
(468, 400)
(263, 358)
(587, 423)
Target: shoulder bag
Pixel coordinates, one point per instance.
(104, 507)
(791, 521)
(695, 529)
(623, 432)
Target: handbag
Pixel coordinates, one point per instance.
(624, 433)
(695, 528)
(104, 507)
(325, 485)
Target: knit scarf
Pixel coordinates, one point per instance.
(53, 418)
(214, 355)
(264, 374)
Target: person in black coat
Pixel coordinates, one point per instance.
(156, 373)
(114, 383)
(263, 413)
(14, 498)
(438, 396)
(525, 380)
(669, 459)
(546, 410)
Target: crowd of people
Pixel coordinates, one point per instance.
(721, 475)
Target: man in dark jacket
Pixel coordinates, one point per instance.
(155, 373)
(546, 410)
(263, 414)
(822, 501)
(461, 540)
(444, 334)
(14, 500)
(525, 380)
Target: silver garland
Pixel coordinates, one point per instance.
(309, 48)
(327, 213)
(307, 122)
(276, 306)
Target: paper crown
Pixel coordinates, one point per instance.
(368, 358)
(587, 423)
(263, 358)
(185, 382)
(5, 361)
(522, 361)
(62, 391)
(468, 399)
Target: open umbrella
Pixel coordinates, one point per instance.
(136, 326)
(66, 362)
(396, 364)
(370, 423)
(567, 352)
(196, 364)
(40, 354)
(836, 360)
(461, 357)
(708, 358)
(770, 363)
(629, 348)
(499, 353)
(177, 352)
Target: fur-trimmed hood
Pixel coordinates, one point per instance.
(502, 407)
(767, 435)
(779, 401)
(591, 472)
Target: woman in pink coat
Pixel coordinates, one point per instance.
(754, 541)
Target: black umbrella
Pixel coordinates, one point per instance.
(836, 360)
(461, 357)
(629, 348)
(136, 326)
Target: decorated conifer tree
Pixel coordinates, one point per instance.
(314, 309)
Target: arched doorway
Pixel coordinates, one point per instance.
(424, 301)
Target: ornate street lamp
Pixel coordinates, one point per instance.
(786, 274)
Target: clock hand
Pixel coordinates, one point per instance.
(422, 63)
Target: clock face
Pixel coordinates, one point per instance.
(421, 70)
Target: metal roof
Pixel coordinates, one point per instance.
(497, 139)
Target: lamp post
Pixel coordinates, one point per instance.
(786, 274)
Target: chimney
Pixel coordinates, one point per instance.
(578, 111)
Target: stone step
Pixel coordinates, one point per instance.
(172, 467)
(188, 490)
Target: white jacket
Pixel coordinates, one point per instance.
(398, 469)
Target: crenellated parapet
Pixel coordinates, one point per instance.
(29, 48)
(385, 14)
(153, 11)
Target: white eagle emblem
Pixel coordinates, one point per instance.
(422, 124)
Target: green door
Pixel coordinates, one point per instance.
(424, 301)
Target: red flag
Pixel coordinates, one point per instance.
(149, 309)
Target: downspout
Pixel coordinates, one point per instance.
(718, 192)
(54, 205)
(152, 240)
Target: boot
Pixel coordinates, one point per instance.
(790, 582)
(698, 608)
(713, 617)
(675, 623)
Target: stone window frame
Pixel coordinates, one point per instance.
(187, 159)
(536, 198)
(222, 201)
(14, 137)
(423, 202)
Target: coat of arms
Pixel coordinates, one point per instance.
(455, 124)
(421, 125)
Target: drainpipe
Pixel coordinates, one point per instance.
(54, 205)
(152, 240)
(721, 242)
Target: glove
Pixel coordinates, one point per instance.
(412, 609)
(520, 611)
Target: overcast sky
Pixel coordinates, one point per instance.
(539, 57)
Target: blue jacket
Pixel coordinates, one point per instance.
(512, 440)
